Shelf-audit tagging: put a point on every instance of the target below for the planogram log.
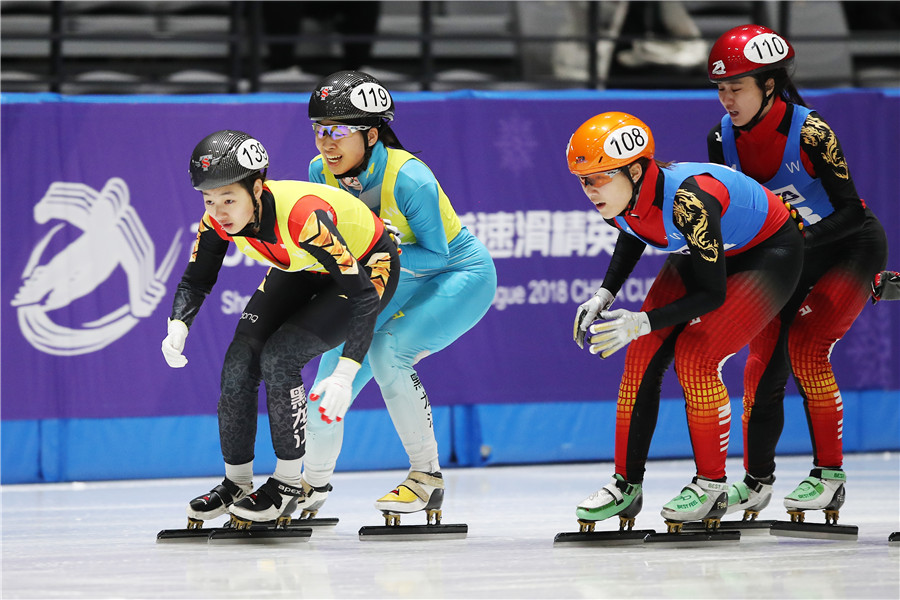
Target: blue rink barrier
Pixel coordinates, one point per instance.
(54, 450)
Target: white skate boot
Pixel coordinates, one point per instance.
(420, 491)
(617, 498)
(750, 495)
(273, 501)
(823, 489)
(701, 500)
(314, 498)
(215, 502)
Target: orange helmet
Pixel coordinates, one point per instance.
(608, 141)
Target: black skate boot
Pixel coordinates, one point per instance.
(273, 501)
(215, 503)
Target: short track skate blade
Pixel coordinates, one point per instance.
(694, 538)
(316, 522)
(894, 538)
(259, 535)
(184, 535)
(601, 538)
(745, 527)
(815, 531)
(402, 533)
(301, 523)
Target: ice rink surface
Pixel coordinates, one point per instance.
(98, 540)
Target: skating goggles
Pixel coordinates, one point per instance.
(598, 179)
(337, 132)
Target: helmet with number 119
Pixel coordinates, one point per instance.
(608, 141)
(351, 97)
(748, 50)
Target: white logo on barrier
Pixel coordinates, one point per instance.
(113, 236)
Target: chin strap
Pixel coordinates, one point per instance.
(635, 189)
(756, 118)
(362, 166)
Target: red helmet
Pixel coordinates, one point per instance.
(747, 50)
(608, 141)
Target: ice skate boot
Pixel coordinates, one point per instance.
(823, 489)
(310, 504)
(215, 502)
(274, 502)
(701, 500)
(750, 495)
(618, 498)
(419, 492)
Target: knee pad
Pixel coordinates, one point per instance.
(286, 352)
(240, 367)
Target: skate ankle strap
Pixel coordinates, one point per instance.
(274, 489)
(416, 478)
(832, 474)
(707, 485)
(229, 491)
(322, 489)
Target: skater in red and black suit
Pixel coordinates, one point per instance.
(735, 257)
(769, 134)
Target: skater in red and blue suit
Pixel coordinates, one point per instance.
(769, 134)
(735, 255)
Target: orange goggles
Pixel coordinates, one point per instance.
(598, 179)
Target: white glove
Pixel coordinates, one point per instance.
(620, 327)
(173, 345)
(336, 390)
(395, 233)
(587, 312)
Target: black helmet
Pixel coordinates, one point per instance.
(352, 97)
(225, 157)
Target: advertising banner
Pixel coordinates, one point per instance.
(98, 218)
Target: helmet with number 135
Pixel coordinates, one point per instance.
(608, 141)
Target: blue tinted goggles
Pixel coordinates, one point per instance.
(337, 132)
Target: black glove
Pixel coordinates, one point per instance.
(886, 286)
(795, 215)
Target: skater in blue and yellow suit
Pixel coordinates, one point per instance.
(442, 262)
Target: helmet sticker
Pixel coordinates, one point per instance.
(765, 49)
(252, 155)
(718, 67)
(370, 97)
(626, 142)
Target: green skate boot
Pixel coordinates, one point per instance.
(823, 489)
(701, 500)
(617, 498)
(750, 495)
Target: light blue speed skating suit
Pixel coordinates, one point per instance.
(447, 284)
